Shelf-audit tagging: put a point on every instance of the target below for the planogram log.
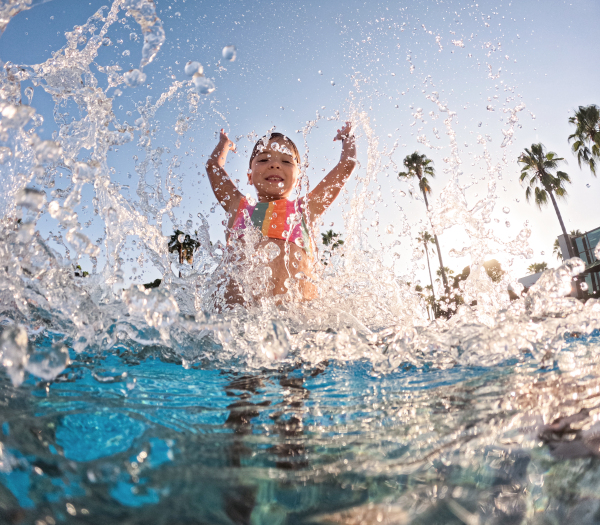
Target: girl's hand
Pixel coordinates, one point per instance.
(224, 139)
(344, 133)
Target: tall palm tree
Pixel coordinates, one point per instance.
(426, 238)
(420, 166)
(586, 138)
(541, 183)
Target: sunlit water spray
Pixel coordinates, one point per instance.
(364, 313)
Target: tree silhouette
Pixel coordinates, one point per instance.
(184, 245)
(586, 139)
(537, 267)
(541, 183)
(420, 166)
(333, 241)
(426, 238)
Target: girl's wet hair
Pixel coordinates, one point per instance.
(273, 136)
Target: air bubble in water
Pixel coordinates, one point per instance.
(134, 77)
(203, 85)
(506, 209)
(193, 67)
(229, 53)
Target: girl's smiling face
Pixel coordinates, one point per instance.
(274, 171)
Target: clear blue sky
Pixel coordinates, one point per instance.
(475, 54)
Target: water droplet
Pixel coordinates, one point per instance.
(203, 85)
(584, 286)
(479, 125)
(134, 77)
(320, 72)
(229, 53)
(5, 154)
(507, 224)
(396, 106)
(506, 209)
(332, 83)
(374, 223)
(587, 185)
(542, 253)
(29, 93)
(126, 53)
(390, 228)
(193, 67)
(490, 108)
(188, 224)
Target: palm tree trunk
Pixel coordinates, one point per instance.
(562, 225)
(437, 244)
(180, 257)
(430, 278)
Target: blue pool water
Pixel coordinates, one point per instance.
(141, 439)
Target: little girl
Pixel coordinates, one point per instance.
(274, 173)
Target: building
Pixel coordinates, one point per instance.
(584, 246)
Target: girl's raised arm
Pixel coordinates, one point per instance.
(329, 188)
(223, 187)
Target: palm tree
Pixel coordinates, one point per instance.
(537, 267)
(185, 246)
(333, 240)
(541, 183)
(586, 136)
(419, 166)
(426, 238)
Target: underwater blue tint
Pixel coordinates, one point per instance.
(85, 437)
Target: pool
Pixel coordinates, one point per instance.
(135, 437)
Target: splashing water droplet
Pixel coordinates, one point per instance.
(193, 67)
(389, 229)
(490, 108)
(29, 94)
(506, 209)
(542, 253)
(479, 125)
(584, 286)
(188, 224)
(507, 224)
(134, 77)
(587, 185)
(332, 83)
(5, 154)
(229, 53)
(203, 85)
(320, 72)
(181, 238)
(13, 352)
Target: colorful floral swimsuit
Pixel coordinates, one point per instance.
(281, 219)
